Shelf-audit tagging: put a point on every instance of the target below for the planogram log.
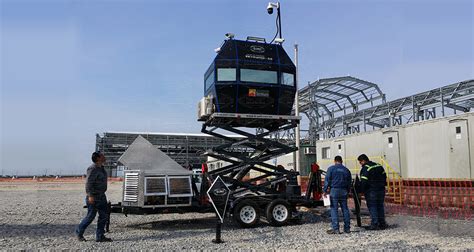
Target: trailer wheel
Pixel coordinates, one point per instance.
(278, 212)
(247, 213)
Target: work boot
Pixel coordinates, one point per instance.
(347, 231)
(332, 231)
(371, 228)
(104, 239)
(383, 226)
(81, 238)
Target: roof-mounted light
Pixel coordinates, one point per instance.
(256, 39)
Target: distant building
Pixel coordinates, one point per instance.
(185, 149)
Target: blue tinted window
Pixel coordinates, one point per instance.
(226, 74)
(287, 79)
(260, 76)
(209, 81)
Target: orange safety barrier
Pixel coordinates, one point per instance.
(446, 198)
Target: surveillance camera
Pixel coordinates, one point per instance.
(271, 5)
(230, 35)
(270, 8)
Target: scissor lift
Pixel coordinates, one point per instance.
(277, 193)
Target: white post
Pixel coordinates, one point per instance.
(297, 113)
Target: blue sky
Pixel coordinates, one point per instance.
(71, 69)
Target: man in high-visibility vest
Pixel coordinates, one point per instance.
(373, 181)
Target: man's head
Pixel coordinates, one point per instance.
(363, 159)
(338, 160)
(98, 158)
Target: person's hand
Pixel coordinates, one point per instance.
(325, 194)
(90, 200)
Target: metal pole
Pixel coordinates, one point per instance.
(279, 19)
(297, 113)
(442, 100)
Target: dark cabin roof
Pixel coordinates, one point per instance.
(258, 52)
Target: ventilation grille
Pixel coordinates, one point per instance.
(130, 192)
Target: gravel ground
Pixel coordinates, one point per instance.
(43, 216)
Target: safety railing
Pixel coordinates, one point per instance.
(394, 182)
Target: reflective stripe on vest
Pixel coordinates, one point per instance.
(364, 177)
(371, 167)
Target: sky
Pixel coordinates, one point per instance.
(72, 69)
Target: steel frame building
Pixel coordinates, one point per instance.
(185, 149)
(345, 105)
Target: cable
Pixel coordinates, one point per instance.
(278, 28)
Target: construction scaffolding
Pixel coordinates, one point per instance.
(185, 149)
(346, 105)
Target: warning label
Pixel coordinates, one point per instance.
(258, 93)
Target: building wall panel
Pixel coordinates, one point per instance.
(424, 148)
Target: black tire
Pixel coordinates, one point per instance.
(278, 212)
(247, 213)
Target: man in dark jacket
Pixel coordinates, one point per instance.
(96, 201)
(372, 182)
(339, 179)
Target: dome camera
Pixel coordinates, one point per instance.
(270, 8)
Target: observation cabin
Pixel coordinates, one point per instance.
(251, 77)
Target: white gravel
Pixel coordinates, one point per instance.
(44, 216)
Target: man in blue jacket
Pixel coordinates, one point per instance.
(96, 201)
(338, 179)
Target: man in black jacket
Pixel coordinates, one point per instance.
(96, 201)
(373, 181)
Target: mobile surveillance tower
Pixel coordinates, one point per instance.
(249, 87)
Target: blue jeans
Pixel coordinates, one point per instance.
(338, 197)
(99, 205)
(375, 203)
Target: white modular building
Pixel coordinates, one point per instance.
(437, 148)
